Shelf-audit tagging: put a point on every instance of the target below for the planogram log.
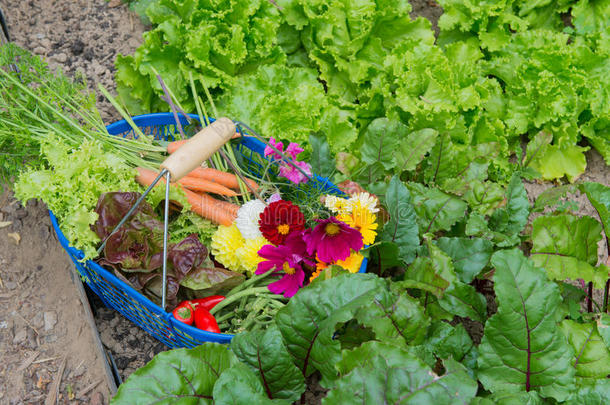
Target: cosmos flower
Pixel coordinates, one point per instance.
(333, 240)
(287, 259)
(279, 219)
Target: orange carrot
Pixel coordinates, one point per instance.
(226, 179)
(174, 145)
(217, 211)
(196, 184)
(220, 212)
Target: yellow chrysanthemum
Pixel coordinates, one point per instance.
(352, 263)
(225, 243)
(248, 254)
(363, 220)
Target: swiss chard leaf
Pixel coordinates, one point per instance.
(436, 210)
(592, 394)
(469, 256)
(603, 327)
(321, 157)
(435, 274)
(181, 374)
(397, 319)
(378, 372)
(447, 341)
(381, 139)
(592, 357)
(412, 149)
(308, 321)
(522, 348)
(599, 196)
(566, 246)
(512, 219)
(402, 227)
(463, 300)
(265, 353)
(239, 385)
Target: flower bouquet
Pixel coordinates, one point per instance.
(258, 243)
(292, 242)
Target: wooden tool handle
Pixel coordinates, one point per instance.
(199, 148)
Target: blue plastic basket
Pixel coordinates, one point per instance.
(132, 304)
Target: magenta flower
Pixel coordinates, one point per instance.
(293, 174)
(293, 150)
(332, 240)
(270, 152)
(287, 258)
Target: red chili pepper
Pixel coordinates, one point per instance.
(206, 321)
(207, 302)
(185, 312)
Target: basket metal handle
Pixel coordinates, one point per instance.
(191, 154)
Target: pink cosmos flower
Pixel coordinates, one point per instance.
(277, 145)
(332, 240)
(293, 174)
(287, 258)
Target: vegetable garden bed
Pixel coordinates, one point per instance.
(449, 133)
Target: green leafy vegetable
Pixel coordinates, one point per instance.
(308, 321)
(239, 385)
(72, 185)
(214, 41)
(522, 348)
(566, 246)
(592, 357)
(469, 256)
(378, 372)
(402, 227)
(436, 210)
(265, 353)
(184, 374)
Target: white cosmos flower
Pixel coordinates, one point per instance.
(247, 219)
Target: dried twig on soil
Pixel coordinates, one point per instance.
(88, 388)
(28, 362)
(45, 360)
(54, 390)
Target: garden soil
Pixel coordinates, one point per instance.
(41, 319)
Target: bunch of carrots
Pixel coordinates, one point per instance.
(199, 184)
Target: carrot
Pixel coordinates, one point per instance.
(174, 145)
(220, 212)
(226, 179)
(196, 184)
(217, 211)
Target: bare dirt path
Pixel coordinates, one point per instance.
(42, 321)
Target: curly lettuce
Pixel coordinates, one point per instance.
(215, 41)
